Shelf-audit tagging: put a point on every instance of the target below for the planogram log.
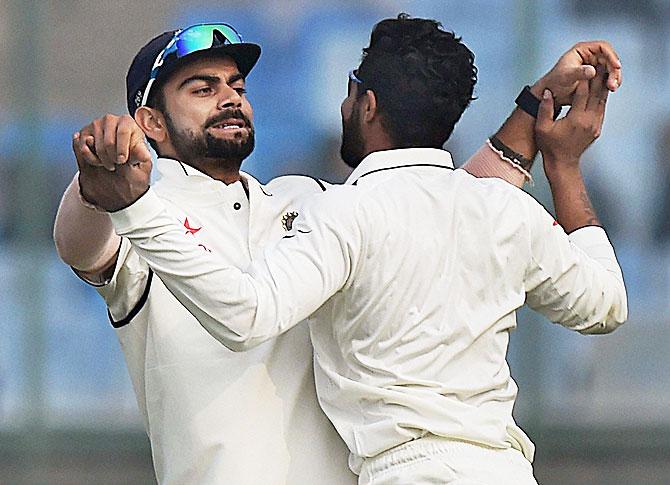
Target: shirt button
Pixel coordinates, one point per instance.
(237, 206)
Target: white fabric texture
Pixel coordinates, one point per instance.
(214, 416)
(433, 460)
(412, 273)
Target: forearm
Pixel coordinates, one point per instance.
(201, 282)
(571, 200)
(488, 163)
(517, 133)
(84, 238)
(241, 309)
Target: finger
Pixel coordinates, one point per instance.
(84, 156)
(599, 110)
(614, 72)
(109, 127)
(87, 147)
(98, 146)
(610, 59)
(580, 73)
(87, 130)
(592, 50)
(602, 52)
(139, 151)
(77, 151)
(581, 96)
(545, 113)
(615, 79)
(597, 90)
(123, 140)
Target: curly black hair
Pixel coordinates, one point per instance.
(423, 78)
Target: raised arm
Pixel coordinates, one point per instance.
(84, 237)
(514, 147)
(575, 281)
(243, 308)
(562, 144)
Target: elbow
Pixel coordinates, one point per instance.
(62, 248)
(234, 342)
(238, 346)
(617, 316)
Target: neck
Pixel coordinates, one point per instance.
(226, 171)
(377, 142)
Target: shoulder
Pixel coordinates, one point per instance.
(297, 184)
(341, 207)
(492, 189)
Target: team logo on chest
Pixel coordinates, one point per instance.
(287, 220)
(192, 231)
(189, 229)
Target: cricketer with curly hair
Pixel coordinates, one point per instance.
(411, 271)
(422, 78)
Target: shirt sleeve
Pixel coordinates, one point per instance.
(242, 309)
(574, 280)
(123, 292)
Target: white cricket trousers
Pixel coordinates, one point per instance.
(433, 460)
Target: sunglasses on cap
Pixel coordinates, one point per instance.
(189, 40)
(353, 76)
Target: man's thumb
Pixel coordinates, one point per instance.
(545, 113)
(581, 73)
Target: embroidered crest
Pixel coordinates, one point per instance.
(287, 220)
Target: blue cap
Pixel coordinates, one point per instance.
(245, 55)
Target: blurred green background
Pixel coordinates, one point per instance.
(597, 407)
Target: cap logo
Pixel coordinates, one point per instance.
(138, 99)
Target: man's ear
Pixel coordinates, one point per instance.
(152, 123)
(369, 106)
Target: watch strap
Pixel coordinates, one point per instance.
(527, 101)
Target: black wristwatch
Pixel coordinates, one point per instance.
(530, 104)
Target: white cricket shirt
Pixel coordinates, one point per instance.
(215, 416)
(413, 272)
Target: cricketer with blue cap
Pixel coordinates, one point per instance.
(164, 53)
(212, 417)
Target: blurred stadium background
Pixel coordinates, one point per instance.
(597, 408)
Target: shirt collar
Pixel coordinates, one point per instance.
(401, 157)
(170, 168)
(175, 172)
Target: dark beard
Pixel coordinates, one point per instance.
(351, 149)
(191, 147)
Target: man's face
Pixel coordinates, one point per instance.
(207, 111)
(352, 149)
